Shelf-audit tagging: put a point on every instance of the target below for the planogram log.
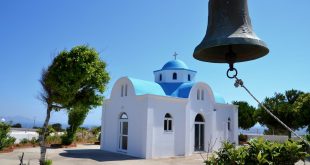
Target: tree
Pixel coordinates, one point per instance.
(302, 105)
(57, 127)
(281, 105)
(75, 77)
(246, 117)
(76, 117)
(5, 139)
(17, 125)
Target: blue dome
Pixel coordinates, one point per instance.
(174, 64)
(218, 98)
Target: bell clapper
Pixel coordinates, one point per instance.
(231, 59)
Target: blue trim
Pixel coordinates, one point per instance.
(175, 69)
(143, 87)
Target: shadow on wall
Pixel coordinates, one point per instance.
(97, 155)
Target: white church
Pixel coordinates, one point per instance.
(172, 116)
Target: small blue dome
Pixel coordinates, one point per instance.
(174, 64)
(218, 98)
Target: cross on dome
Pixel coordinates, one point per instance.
(175, 55)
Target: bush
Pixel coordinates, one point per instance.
(243, 138)
(48, 162)
(34, 141)
(53, 139)
(307, 137)
(259, 151)
(66, 140)
(24, 141)
(5, 139)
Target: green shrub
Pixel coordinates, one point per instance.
(259, 151)
(24, 141)
(5, 139)
(66, 140)
(307, 137)
(243, 138)
(34, 141)
(55, 139)
(48, 162)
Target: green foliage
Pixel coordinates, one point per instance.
(259, 151)
(246, 117)
(5, 139)
(55, 139)
(34, 141)
(17, 125)
(302, 105)
(57, 127)
(48, 162)
(49, 130)
(24, 141)
(95, 130)
(307, 137)
(243, 138)
(281, 105)
(77, 77)
(76, 118)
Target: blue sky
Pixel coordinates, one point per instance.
(137, 37)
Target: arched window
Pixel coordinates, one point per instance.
(123, 116)
(126, 90)
(123, 132)
(168, 123)
(228, 124)
(202, 94)
(160, 77)
(174, 76)
(199, 144)
(198, 94)
(199, 118)
(189, 77)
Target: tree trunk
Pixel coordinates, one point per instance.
(43, 135)
(289, 134)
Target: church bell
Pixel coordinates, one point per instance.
(230, 37)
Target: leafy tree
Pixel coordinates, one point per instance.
(76, 117)
(281, 105)
(57, 127)
(5, 139)
(302, 105)
(75, 77)
(17, 125)
(246, 117)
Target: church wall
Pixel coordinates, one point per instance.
(168, 74)
(225, 111)
(165, 144)
(205, 107)
(136, 109)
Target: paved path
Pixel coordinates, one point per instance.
(91, 155)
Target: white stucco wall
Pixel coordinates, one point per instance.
(136, 109)
(165, 143)
(167, 75)
(19, 135)
(205, 108)
(146, 135)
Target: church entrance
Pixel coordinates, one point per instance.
(199, 133)
(123, 135)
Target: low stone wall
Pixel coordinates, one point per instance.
(277, 138)
(19, 135)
